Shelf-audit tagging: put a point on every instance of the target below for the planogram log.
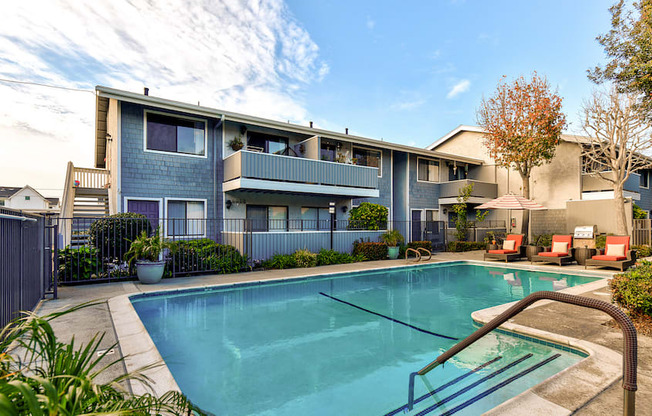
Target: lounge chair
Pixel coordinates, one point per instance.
(507, 253)
(616, 254)
(560, 252)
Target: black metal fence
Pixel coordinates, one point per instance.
(97, 246)
(25, 264)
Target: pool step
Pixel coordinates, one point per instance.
(459, 399)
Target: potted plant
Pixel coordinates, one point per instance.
(236, 143)
(490, 239)
(146, 252)
(392, 238)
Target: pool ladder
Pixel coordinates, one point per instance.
(629, 341)
(418, 251)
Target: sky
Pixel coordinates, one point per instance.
(401, 71)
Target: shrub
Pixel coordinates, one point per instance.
(79, 263)
(370, 251)
(543, 240)
(392, 238)
(280, 261)
(632, 289)
(642, 251)
(326, 257)
(601, 240)
(207, 255)
(458, 246)
(420, 244)
(113, 235)
(368, 216)
(304, 258)
(638, 213)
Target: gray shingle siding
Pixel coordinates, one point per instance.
(422, 194)
(646, 194)
(161, 175)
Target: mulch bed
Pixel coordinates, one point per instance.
(643, 324)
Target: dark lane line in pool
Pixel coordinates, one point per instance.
(443, 386)
(425, 331)
(472, 385)
(500, 385)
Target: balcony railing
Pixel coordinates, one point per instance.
(594, 183)
(253, 165)
(480, 189)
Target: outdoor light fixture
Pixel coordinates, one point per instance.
(331, 207)
(228, 204)
(108, 136)
(345, 208)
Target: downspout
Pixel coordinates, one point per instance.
(217, 126)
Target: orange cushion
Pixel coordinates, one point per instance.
(502, 251)
(557, 238)
(614, 239)
(518, 238)
(608, 258)
(552, 254)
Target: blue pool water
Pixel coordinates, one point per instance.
(346, 344)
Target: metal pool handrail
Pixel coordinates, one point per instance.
(629, 340)
(427, 252)
(416, 252)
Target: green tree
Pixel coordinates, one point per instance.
(628, 45)
(461, 221)
(522, 125)
(368, 216)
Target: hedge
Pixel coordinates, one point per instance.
(370, 251)
(457, 246)
(642, 251)
(207, 255)
(112, 235)
(368, 216)
(632, 289)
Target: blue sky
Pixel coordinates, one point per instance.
(407, 72)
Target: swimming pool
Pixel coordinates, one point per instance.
(345, 344)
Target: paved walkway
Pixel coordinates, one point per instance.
(567, 320)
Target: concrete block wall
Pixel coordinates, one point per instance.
(551, 221)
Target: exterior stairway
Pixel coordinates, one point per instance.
(85, 198)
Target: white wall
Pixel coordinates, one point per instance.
(35, 202)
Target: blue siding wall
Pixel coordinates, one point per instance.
(422, 194)
(401, 206)
(646, 194)
(384, 183)
(160, 175)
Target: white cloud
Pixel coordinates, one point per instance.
(408, 105)
(250, 57)
(370, 23)
(459, 88)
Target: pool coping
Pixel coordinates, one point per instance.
(139, 350)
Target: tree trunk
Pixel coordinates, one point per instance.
(621, 218)
(525, 226)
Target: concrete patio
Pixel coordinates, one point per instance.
(578, 323)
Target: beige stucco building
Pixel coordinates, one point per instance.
(572, 197)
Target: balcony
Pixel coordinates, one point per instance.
(594, 187)
(247, 170)
(482, 191)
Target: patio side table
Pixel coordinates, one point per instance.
(583, 253)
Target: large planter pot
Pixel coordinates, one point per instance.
(392, 252)
(150, 271)
(492, 247)
(531, 251)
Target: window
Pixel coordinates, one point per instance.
(315, 218)
(27, 198)
(2, 202)
(457, 172)
(427, 170)
(175, 135)
(270, 144)
(645, 178)
(267, 218)
(186, 218)
(328, 151)
(368, 157)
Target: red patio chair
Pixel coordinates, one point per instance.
(508, 255)
(613, 256)
(557, 257)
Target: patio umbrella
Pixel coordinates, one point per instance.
(512, 202)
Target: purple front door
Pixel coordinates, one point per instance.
(147, 208)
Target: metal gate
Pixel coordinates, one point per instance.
(26, 262)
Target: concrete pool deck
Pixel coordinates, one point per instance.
(580, 324)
